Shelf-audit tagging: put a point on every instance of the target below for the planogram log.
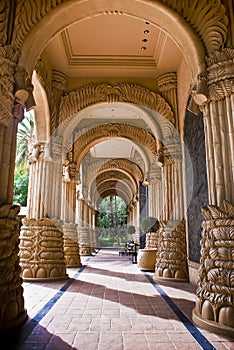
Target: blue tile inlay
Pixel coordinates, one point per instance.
(28, 327)
(193, 330)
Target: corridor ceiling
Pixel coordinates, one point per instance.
(112, 46)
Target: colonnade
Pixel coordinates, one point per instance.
(58, 229)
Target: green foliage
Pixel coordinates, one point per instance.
(112, 212)
(24, 136)
(150, 224)
(21, 188)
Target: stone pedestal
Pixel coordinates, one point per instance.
(41, 250)
(147, 259)
(171, 257)
(214, 308)
(84, 241)
(12, 311)
(71, 247)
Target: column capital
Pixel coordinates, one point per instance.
(170, 154)
(59, 80)
(167, 81)
(221, 74)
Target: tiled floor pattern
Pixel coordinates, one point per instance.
(109, 304)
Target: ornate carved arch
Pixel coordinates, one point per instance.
(123, 92)
(124, 164)
(109, 189)
(207, 18)
(112, 192)
(109, 131)
(115, 176)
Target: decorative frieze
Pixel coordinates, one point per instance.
(212, 28)
(42, 250)
(214, 308)
(171, 256)
(13, 313)
(111, 131)
(123, 92)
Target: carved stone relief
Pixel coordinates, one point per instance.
(12, 309)
(171, 258)
(41, 250)
(109, 131)
(212, 29)
(71, 247)
(93, 93)
(214, 307)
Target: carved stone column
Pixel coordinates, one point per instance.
(71, 247)
(155, 193)
(171, 261)
(41, 250)
(83, 229)
(41, 239)
(12, 309)
(167, 84)
(218, 110)
(171, 257)
(12, 313)
(214, 308)
(172, 183)
(8, 123)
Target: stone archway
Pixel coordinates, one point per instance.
(109, 131)
(158, 13)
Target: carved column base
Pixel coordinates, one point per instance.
(41, 251)
(84, 241)
(214, 308)
(12, 311)
(71, 247)
(171, 258)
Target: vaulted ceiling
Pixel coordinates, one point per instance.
(113, 46)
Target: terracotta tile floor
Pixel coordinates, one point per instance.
(109, 304)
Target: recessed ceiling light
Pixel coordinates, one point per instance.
(143, 48)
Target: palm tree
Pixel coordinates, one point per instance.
(24, 136)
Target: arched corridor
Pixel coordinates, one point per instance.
(131, 99)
